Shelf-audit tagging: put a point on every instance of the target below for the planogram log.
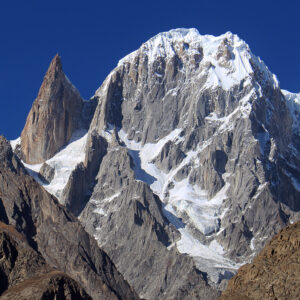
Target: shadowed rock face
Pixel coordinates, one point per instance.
(24, 274)
(54, 116)
(274, 273)
(49, 228)
(52, 285)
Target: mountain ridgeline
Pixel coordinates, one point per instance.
(182, 166)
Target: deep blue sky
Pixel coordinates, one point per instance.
(91, 36)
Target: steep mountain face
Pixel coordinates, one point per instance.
(208, 129)
(55, 115)
(52, 232)
(190, 164)
(138, 237)
(274, 273)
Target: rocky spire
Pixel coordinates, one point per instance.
(54, 116)
(55, 66)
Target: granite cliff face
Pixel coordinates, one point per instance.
(54, 233)
(53, 118)
(189, 166)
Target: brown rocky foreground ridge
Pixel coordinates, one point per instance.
(39, 236)
(274, 273)
(24, 274)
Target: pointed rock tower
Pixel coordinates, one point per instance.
(54, 116)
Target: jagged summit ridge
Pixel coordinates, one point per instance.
(227, 57)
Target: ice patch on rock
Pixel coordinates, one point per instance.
(208, 258)
(15, 143)
(64, 162)
(220, 71)
(293, 103)
(203, 213)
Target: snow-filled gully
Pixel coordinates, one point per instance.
(203, 213)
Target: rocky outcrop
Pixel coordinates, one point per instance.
(82, 179)
(134, 232)
(55, 232)
(169, 157)
(25, 274)
(53, 285)
(54, 116)
(18, 260)
(273, 274)
(46, 173)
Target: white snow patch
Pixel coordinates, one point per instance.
(107, 133)
(226, 75)
(100, 211)
(208, 258)
(226, 123)
(185, 197)
(293, 103)
(202, 212)
(108, 199)
(33, 171)
(15, 143)
(252, 245)
(216, 247)
(188, 244)
(64, 162)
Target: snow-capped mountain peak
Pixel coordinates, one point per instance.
(192, 149)
(226, 58)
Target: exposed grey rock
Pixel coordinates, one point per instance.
(46, 173)
(80, 184)
(55, 232)
(126, 218)
(169, 157)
